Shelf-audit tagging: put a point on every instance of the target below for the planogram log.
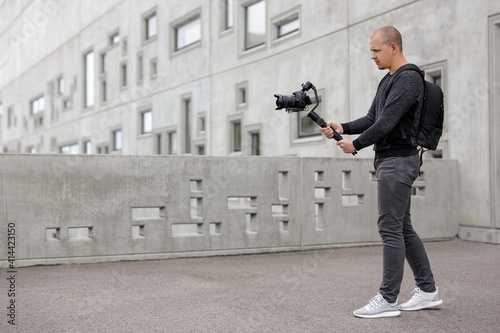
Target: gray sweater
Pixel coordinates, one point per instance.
(392, 118)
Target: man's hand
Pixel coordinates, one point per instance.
(328, 130)
(347, 146)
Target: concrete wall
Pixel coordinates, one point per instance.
(81, 209)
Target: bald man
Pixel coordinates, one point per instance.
(389, 126)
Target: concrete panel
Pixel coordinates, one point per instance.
(90, 208)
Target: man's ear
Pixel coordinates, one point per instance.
(394, 48)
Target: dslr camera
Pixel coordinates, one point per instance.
(298, 101)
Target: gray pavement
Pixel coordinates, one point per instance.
(312, 291)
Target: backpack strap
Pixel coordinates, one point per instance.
(413, 67)
(422, 151)
(399, 71)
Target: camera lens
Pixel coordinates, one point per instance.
(284, 101)
(292, 103)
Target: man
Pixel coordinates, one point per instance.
(389, 125)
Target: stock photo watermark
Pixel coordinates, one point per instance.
(11, 273)
(28, 28)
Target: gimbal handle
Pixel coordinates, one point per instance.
(314, 116)
(321, 122)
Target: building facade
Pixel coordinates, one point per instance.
(198, 77)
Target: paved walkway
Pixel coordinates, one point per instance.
(313, 291)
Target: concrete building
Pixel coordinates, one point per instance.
(198, 77)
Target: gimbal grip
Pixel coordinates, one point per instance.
(321, 122)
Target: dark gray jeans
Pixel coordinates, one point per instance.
(395, 176)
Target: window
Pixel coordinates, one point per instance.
(69, 149)
(187, 126)
(123, 75)
(104, 91)
(67, 103)
(154, 67)
(288, 26)
(89, 79)
(117, 140)
(150, 26)
(38, 121)
(188, 33)
(103, 63)
(114, 39)
(140, 68)
(436, 79)
(172, 143)
(255, 24)
(60, 86)
(241, 95)
(228, 14)
(124, 47)
(158, 143)
(255, 137)
(146, 122)
(306, 127)
(236, 136)
(38, 105)
(201, 124)
(10, 115)
(201, 150)
(435, 73)
(87, 147)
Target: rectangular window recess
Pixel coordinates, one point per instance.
(187, 229)
(148, 213)
(196, 185)
(52, 234)
(373, 177)
(196, 207)
(241, 202)
(215, 228)
(322, 192)
(346, 180)
(352, 200)
(279, 210)
(252, 226)
(418, 191)
(80, 233)
(284, 226)
(319, 216)
(138, 231)
(284, 189)
(318, 176)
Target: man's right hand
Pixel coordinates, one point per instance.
(328, 130)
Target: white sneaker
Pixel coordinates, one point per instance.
(422, 300)
(378, 307)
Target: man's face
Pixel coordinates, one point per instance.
(381, 52)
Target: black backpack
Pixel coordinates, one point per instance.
(430, 126)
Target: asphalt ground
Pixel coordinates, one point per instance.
(310, 291)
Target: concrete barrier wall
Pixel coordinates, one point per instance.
(62, 209)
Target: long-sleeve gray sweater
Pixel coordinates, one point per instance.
(391, 119)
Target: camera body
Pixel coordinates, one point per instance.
(298, 101)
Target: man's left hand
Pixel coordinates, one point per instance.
(347, 146)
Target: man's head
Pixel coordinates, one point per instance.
(386, 45)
